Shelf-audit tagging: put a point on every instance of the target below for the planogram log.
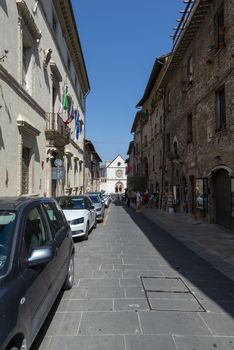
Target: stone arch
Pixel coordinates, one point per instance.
(119, 187)
(221, 199)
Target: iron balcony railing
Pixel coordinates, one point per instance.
(54, 122)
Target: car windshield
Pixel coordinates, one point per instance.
(71, 203)
(95, 199)
(7, 224)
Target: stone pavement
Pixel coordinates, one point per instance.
(212, 242)
(139, 288)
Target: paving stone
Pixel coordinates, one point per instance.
(64, 323)
(95, 282)
(86, 305)
(130, 282)
(166, 322)
(142, 273)
(93, 323)
(111, 342)
(219, 324)
(128, 304)
(149, 342)
(75, 293)
(108, 274)
(175, 305)
(101, 292)
(204, 343)
(135, 292)
(164, 284)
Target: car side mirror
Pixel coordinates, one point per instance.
(40, 256)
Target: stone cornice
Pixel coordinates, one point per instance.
(10, 80)
(26, 15)
(25, 126)
(67, 21)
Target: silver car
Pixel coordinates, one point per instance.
(98, 205)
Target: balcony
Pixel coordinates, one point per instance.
(56, 132)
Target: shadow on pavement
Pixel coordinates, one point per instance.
(41, 336)
(204, 279)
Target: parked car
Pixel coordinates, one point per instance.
(36, 261)
(100, 194)
(98, 205)
(80, 214)
(107, 199)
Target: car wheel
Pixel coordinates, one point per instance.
(70, 274)
(86, 236)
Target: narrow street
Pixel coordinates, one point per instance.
(138, 288)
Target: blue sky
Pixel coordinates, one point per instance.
(120, 41)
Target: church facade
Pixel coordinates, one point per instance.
(113, 177)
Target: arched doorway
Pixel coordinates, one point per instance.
(222, 194)
(119, 188)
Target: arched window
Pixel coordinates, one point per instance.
(175, 148)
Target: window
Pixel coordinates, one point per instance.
(190, 69)
(56, 220)
(220, 29)
(168, 142)
(26, 71)
(29, 38)
(25, 169)
(36, 234)
(175, 148)
(169, 101)
(220, 109)
(54, 23)
(189, 128)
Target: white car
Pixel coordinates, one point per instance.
(80, 214)
(98, 205)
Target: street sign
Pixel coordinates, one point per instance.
(58, 173)
(58, 162)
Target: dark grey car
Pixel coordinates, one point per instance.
(36, 261)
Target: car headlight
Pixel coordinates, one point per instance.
(98, 209)
(76, 221)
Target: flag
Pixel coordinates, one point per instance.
(71, 114)
(77, 124)
(65, 102)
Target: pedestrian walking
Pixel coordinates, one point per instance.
(138, 201)
(128, 198)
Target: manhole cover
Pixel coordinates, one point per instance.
(170, 294)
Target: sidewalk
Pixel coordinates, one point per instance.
(212, 242)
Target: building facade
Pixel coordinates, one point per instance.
(44, 83)
(113, 178)
(194, 165)
(92, 168)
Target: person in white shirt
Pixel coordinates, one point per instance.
(138, 201)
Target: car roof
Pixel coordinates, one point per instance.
(73, 197)
(15, 203)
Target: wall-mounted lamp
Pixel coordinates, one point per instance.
(47, 57)
(2, 58)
